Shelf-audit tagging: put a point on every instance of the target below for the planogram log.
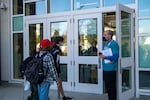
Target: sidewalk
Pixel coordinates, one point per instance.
(15, 92)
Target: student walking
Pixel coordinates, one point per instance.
(110, 64)
(49, 66)
(56, 52)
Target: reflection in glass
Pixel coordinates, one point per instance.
(35, 8)
(126, 1)
(58, 6)
(126, 79)
(88, 37)
(109, 3)
(88, 73)
(144, 8)
(60, 29)
(144, 51)
(17, 7)
(63, 74)
(144, 80)
(35, 36)
(86, 4)
(144, 26)
(126, 34)
(17, 54)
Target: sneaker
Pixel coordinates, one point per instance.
(67, 98)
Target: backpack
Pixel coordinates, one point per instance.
(23, 65)
(34, 72)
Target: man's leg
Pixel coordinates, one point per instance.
(61, 90)
(110, 83)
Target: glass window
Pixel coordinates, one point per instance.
(63, 74)
(88, 73)
(35, 36)
(35, 8)
(144, 80)
(18, 23)
(86, 4)
(144, 26)
(17, 7)
(125, 34)
(17, 54)
(58, 6)
(109, 3)
(126, 79)
(144, 51)
(60, 29)
(88, 37)
(144, 8)
(126, 1)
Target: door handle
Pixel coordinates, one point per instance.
(99, 62)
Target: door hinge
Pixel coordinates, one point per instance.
(71, 20)
(70, 62)
(73, 63)
(120, 67)
(74, 84)
(70, 41)
(134, 15)
(71, 84)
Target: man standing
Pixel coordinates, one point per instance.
(56, 52)
(110, 63)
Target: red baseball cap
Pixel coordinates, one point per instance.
(45, 43)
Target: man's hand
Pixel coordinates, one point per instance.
(102, 56)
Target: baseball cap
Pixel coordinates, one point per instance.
(46, 43)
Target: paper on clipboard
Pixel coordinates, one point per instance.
(107, 52)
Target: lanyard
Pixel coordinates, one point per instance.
(108, 44)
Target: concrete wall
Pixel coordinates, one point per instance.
(5, 41)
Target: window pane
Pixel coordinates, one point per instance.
(18, 23)
(144, 52)
(35, 36)
(35, 8)
(144, 80)
(87, 37)
(17, 7)
(63, 74)
(17, 53)
(58, 6)
(144, 26)
(88, 73)
(60, 29)
(126, 1)
(86, 4)
(144, 8)
(126, 79)
(126, 34)
(109, 3)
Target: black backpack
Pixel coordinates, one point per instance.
(23, 65)
(34, 71)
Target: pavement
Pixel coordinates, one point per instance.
(15, 92)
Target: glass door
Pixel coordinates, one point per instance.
(126, 64)
(35, 31)
(61, 26)
(86, 64)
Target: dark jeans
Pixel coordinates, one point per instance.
(34, 92)
(110, 84)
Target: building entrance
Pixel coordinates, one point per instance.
(81, 68)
